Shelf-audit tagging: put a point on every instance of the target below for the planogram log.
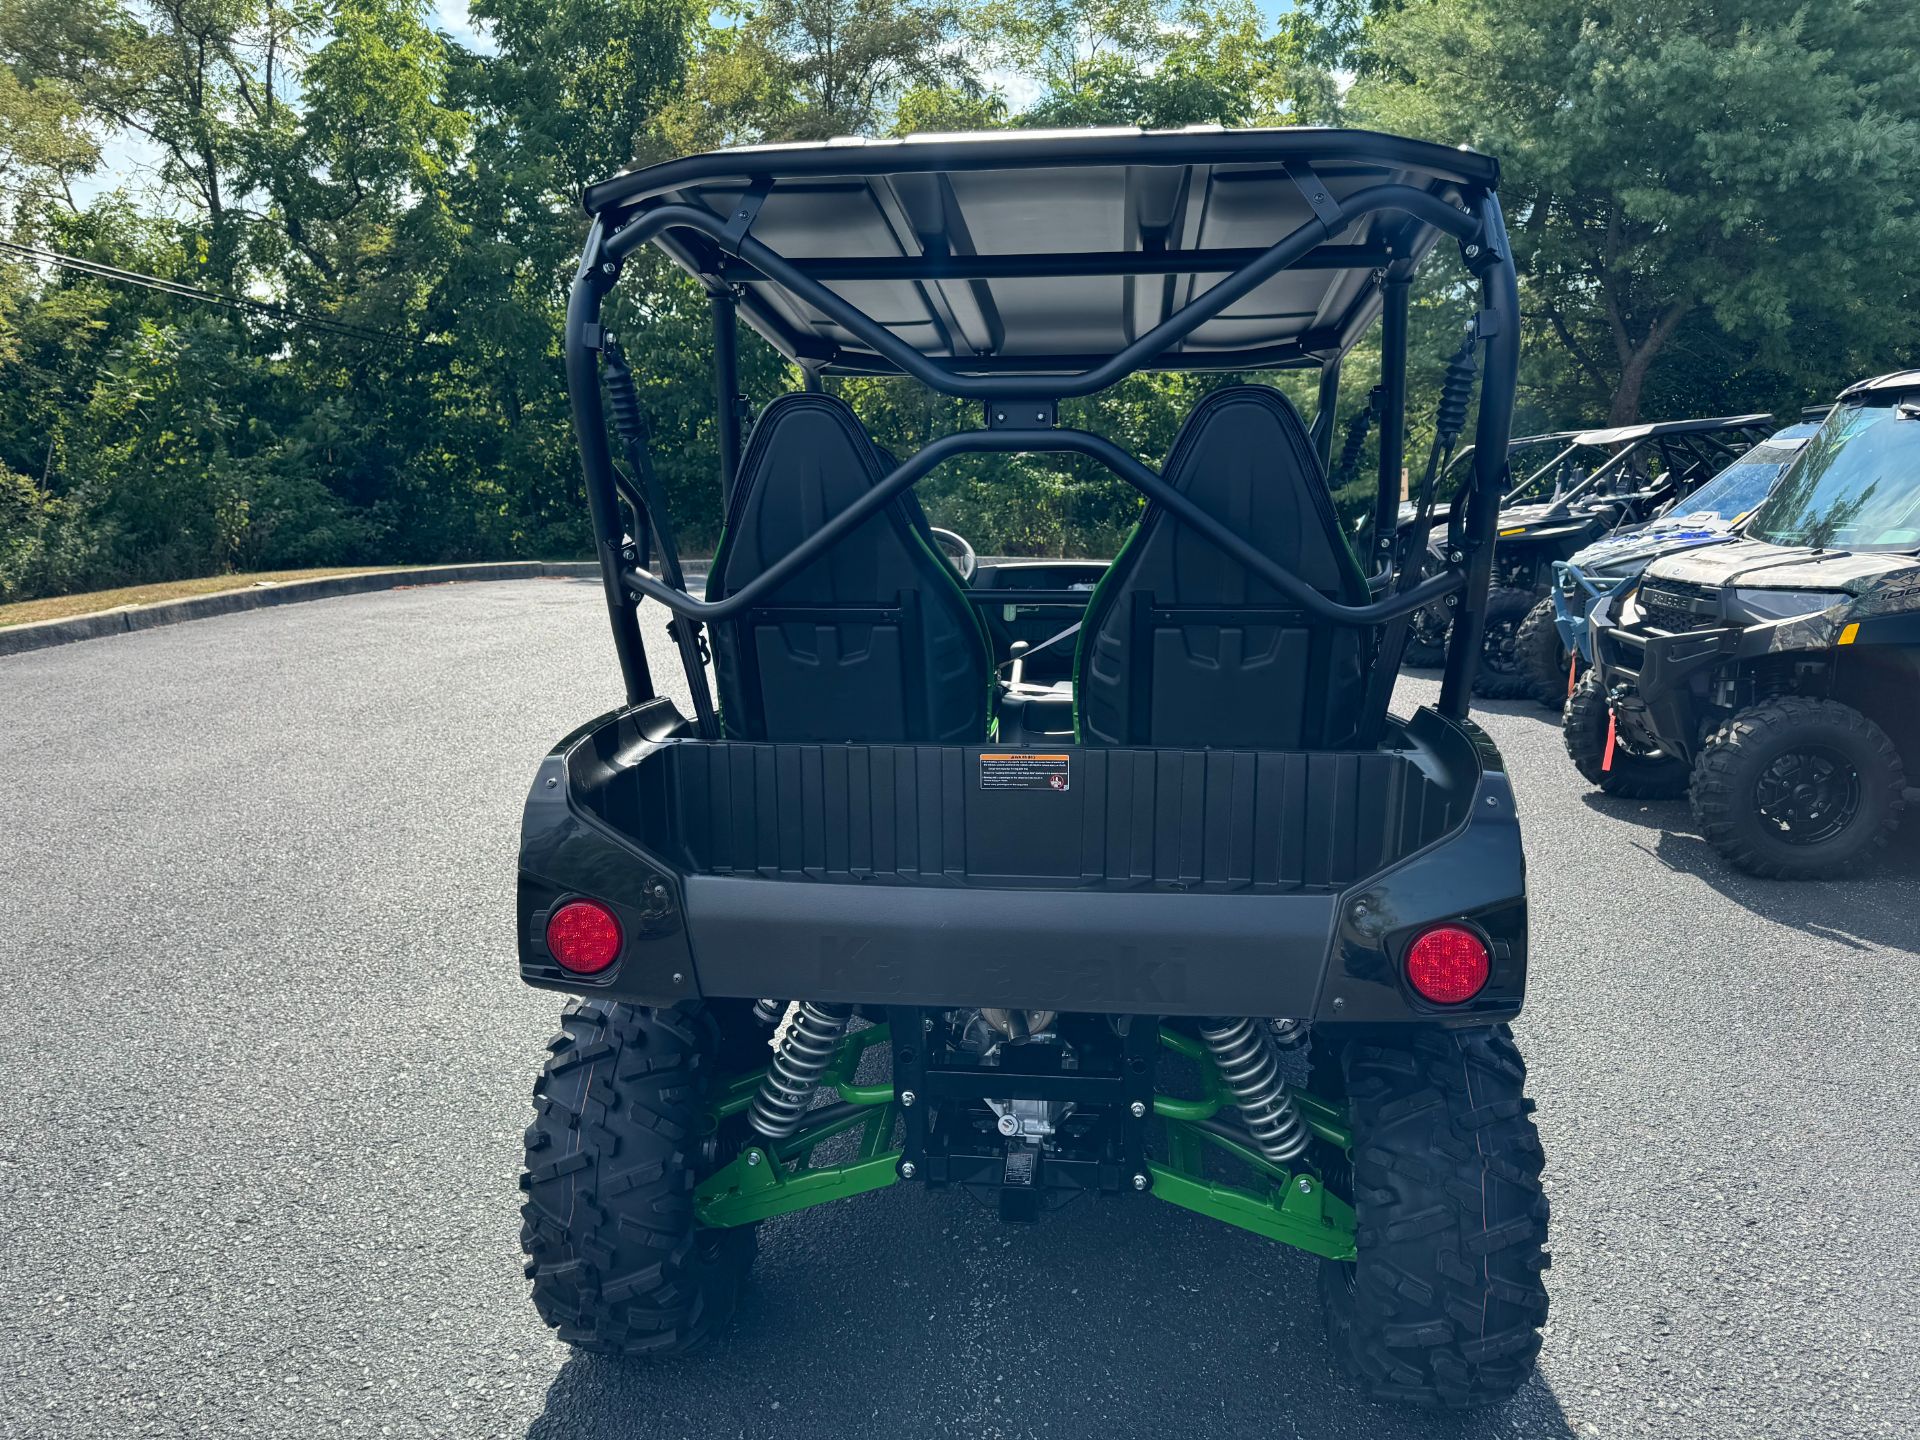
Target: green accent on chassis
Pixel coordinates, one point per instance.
(1294, 1207)
(1085, 988)
(767, 1180)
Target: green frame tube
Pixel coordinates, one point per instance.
(1325, 1119)
(1291, 1206)
(776, 1179)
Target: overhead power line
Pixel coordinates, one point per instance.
(282, 314)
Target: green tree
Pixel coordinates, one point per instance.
(814, 69)
(1674, 163)
(1160, 64)
(1711, 208)
(948, 109)
(44, 144)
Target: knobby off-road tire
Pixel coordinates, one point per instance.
(1634, 776)
(1500, 675)
(1542, 656)
(1444, 1303)
(1731, 768)
(617, 1262)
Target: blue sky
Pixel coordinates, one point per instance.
(451, 16)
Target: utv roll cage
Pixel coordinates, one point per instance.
(1690, 452)
(1234, 844)
(1199, 249)
(1519, 444)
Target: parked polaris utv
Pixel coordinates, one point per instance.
(1561, 507)
(1462, 462)
(1427, 631)
(1776, 679)
(858, 918)
(1552, 644)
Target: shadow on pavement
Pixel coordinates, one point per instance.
(1483, 706)
(1111, 1319)
(1650, 814)
(1526, 709)
(1873, 907)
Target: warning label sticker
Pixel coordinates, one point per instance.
(1026, 772)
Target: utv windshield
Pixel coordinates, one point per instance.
(1856, 485)
(1741, 486)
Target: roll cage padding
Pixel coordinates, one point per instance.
(875, 640)
(1183, 645)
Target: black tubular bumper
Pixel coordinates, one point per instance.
(1143, 882)
(1659, 681)
(1665, 684)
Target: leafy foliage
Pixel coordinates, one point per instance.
(1724, 180)
(1712, 206)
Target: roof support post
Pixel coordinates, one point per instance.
(1321, 434)
(1498, 322)
(582, 346)
(1393, 416)
(726, 391)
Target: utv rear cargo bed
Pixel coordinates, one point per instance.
(1157, 881)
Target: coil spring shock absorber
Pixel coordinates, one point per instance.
(805, 1050)
(1450, 416)
(1243, 1053)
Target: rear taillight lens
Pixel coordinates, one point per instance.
(583, 936)
(1447, 964)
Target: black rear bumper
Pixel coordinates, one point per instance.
(1147, 882)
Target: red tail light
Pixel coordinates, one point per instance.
(583, 936)
(1447, 964)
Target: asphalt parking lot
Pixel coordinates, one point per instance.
(266, 1061)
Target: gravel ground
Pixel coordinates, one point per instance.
(267, 1064)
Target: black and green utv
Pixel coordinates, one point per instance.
(1150, 900)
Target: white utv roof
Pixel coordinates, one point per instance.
(1037, 251)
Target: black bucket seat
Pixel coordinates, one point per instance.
(1183, 646)
(875, 640)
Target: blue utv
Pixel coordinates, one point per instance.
(1595, 483)
(1552, 644)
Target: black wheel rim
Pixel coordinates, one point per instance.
(1808, 795)
(1335, 1165)
(1501, 656)
(1429, 628)
(1625, 744)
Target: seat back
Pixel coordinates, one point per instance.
(873, 641)
(1183, 646)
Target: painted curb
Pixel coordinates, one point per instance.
(18, 639)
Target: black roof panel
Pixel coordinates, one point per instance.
(1622, 434)
(1035, 251)
(1893, 382)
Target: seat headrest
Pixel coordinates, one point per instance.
(1245, 457)
(807, 460)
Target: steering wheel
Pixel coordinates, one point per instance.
(958, 552)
